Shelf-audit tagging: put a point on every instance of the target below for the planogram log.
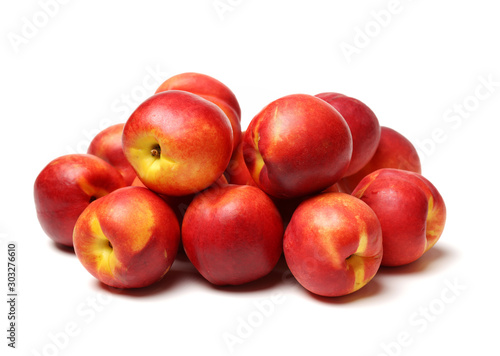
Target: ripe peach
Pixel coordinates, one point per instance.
(297, 145)
(410, 209)
(128, 239)
(232, 234)
(178, 142)
(66, 186)
(333, 244)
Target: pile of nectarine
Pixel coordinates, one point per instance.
(313, 178)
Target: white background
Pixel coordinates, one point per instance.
(88, 64)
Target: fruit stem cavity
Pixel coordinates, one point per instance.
(156, 151)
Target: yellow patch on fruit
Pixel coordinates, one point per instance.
(434, 225)
(363, 237)
(362, 190)
(166, 271)
(430, 208)
(139, 227)
(89, 189)
(357, 265)
(149, 159)
(259, 160)
(327, 224)
(106, 261)
(326, 252)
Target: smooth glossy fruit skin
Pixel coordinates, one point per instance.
(232, 234)
(410, 209)
(178, 143)
(297, 145)
(66, 186)
(128, 239)
(393, 151)
(107, 145)
(333, 244)
(363, 124)
(213, 90)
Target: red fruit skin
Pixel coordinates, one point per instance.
(363, 124)
(297, 145)
(143, 234)
(232, 234)
(410, 209)
(212, 90)
(66, 186)
(107, 145)
(333, 244)
(393, 151)
(231, 114)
